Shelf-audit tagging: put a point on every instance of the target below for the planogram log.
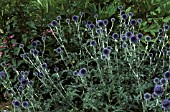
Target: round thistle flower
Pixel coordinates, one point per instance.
(21, 45)
(103, 57)
(2, 74)
(75, 72)
(124, 45)
(98, 31)
(35, 52)
(93, 43)
(44, 65)
(123, 37)
(56, 69)
(165, 104)
(122, 12)
(109, 47)
(23, 55)
(106, 51)
(128, 34)
(156, 80)
(139, 20)
(83, 72)
(105, 22)
(34, 44)
(115, 35)
(124, 16)
(120, 7)
(26, 73)
(81, 13)
(75, 18)
(21, 88)
(154, 95)
(140, 35)
(147, 38)
(87, 25)
(147, 96)
(31, 51)
(16, 103)
(166, 27)
(160, 30)
(163, 81)
(58, 17)
(96, 16)
(100, 23)
(24, 81)
(150, 55)
(112, 19)
(91, 26)
(54, 23)
(133, 39)
(167, 75)
(131, 14)
(133, 22)
(89, 22)
(30, 83)
(25, 104)
(67, 20)
(20, 77)
(35, 73)
(40, 74)
(9, 91)
(22, 72)
(58, 50)
(159, 90)
(3, 64)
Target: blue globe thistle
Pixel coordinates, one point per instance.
(16, 103)
(160, 30)
(129, 34)
(22, 72)
(159, 90)
(154, 95)
(89, 22)
(25, 104)
(165, 104)
(124, 16)
(21, 88)
(122, 12)
(103, 57)
(30, 83)
(58, 50)
(54, 23)
(31, 51)
(105, 22)
(98, 31)
(100, 23)
(127, 26)
(93, 43)
(166, 27)
(147, 38)
(123, 37)
(167, 75)
(21, 45)
(87, 25)
(83, 72)
(124, 45)
(139, 20)
(163, 81)
(58, 17)
(106, 51)
(26, 73)
(75, 72)
(23, 55)
(133, 22)
(131, 14)
(75, 18)
(67, 20)
(56, 69)
(160, 37)
(112, 19)
(140, 35)
(41, 74)
(96, 16)
(20, 77)
(91, 26)
(34, 44)
(147, 96)
(115, 35)
(133, 39)
(35, 52)
(109, 47)
(43, 38)
(44, 65)
(81, 13)
(120, 7)
(24, 81)
(2, 74)
(35, 73)
(150, 55)
(9, 91)
(3, 64)
(156, 80)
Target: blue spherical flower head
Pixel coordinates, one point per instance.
(9, 91)
(67, 20)
(24, 81)
(96, 16)
(26, 73)
(58, 50)
(34, 44)
(100, 23)
(83, 72)
(154, 95)
(54, 23)
(147, 38)
(122, 12)
(103, 57)
(131, 14)
(133, 22)
(44, 65)
(150, 55)
(21, 45)
(109, 47)
(159, 90)
(58, 17)
(30, 83)
(93, 43)
(165, 104)
(75, 18)
(91, 26)
(166, 27)
(2, 74)
(16, 103)
(123, 37)
(21, 88)
(35, 52)
(112, 19)
(163, 81)
(124, 45)
(115, 35)
(3, 64)
(106, 51)
(87, 25)
(25, 104)
(156, 80)
(139, 20)
(75, 72)
(167, 75)
(160, 30)
(124, 16)
(139, 35)
(98, 31)
(105, 22)
(129, 34)
(120, 7)
(89, 22)
(147, 96)
(133, 39)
